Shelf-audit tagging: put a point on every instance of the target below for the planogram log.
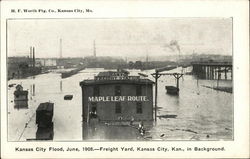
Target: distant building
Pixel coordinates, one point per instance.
(21, 67)
(47, 62)
(69, 62)
(115, 96)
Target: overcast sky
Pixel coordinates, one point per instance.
(120, 37)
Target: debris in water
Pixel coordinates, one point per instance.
(162, 135)
(141, 128)
(68, 97)
(188, 130)
(172, 90)
(11, 85)
(148, 137)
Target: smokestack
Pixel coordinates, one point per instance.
(34, 61)
(30, 57)
(31, 52)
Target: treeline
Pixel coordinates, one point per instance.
(114, 63)
(149, 64)
(103, 62)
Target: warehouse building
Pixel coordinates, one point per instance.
(115, 96)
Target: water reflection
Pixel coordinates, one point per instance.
(94, 130)
(33, 89)
(21, 105)
(175, 98)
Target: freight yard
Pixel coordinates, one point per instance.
(182, 117)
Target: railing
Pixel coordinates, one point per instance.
(102, 78)
(211, 63)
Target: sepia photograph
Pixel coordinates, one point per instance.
(120, 79)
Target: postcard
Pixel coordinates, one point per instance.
(124, 79)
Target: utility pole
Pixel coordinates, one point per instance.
(156, 76)
(177, 76)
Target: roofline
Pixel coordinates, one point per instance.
(108, 82)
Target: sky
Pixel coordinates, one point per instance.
(123, 37)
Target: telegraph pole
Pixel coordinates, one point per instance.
(156, 76)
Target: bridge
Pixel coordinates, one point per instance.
(212, 69)
(213, 63)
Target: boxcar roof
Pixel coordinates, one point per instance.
(108, 82)
(45, 106)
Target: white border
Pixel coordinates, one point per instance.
(238, 10)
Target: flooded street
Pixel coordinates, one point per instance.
(198, 113)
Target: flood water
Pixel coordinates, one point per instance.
(198, 113)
